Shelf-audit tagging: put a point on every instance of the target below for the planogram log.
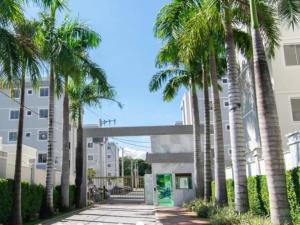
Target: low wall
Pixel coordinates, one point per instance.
(30, 174)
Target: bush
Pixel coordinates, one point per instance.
(225, 216)
(32, 196)
(259, 197)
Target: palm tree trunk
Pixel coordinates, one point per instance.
(237, 138)
(16, 216)
(219, 159)
(198, 159)
(49, 177)
(269, 129)
(207, 150)
(79, 160)
(65, 173)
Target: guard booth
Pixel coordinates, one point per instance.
(122, 188)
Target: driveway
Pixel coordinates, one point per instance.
(132, 214)
(114, 214)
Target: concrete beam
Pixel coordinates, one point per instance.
(137, 131)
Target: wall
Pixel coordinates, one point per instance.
(179, 196)
(171, 143)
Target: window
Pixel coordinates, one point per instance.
(183, 181)
(42, 158)
(292, 54)
(44, 92)
(226, 103)
(14, 114)
(12, 136)
(43, 113)
(43, 135)
(210, 105)
(29, 91)
(227, 127)
(109, 174)
(224, 80)
(212, 131)
(295, 103)
(90, 157)
(109, 165)
(108, 147)
(28, 113)
(15, 93)
(229, 151)
(108, 156)
(28, 134)
(90, 145)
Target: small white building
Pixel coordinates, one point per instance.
(172, 179)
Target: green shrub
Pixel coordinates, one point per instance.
(32, 196)
(225, 216)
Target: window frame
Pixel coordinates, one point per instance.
(43, 118)
(29, 89)
(12, 93)
(291, 108)
(8, 136)
(28, 132)
(45, 87)
(90, 156)
(92, 143)
(14, 110)
(225, 79)
(295, 51)
(43, 154)
(186, 175)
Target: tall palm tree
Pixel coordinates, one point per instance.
(78, 38)
(29, 67)
(83, 93)
(267, 113)
(51, 48)
(168, 27)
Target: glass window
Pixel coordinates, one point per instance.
(29, 91)
(183, 181)
(14, 114)
(44, 92)
(109, 174)
(295, 102)
(15, 93)
(226, 103)
(27, 134)
(12, 136)
(43, 135)
(42, 158)
(108, 165)
(228, 127)
(28, 113)
(109, 156)
(292, 54)
(90, 157)
(90, 145)
(43, 113)
(224, 80)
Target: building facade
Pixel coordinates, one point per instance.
(35, 122)
(285, 70)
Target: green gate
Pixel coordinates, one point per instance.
(164, 189)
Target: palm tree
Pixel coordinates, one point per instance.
(78, 38)
(51, 47)
(267, 113)
(168, 27)
(29, 57)
(83, 93)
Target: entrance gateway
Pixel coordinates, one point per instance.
(130, 188)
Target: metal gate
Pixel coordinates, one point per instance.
(120, 188)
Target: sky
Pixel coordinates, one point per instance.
(127, 54)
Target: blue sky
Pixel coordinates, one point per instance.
(127, 54)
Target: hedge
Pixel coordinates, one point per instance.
(259, 198)
(32, 196)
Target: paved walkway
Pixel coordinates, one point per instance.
(132, 214)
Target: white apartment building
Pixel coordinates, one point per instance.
(102, 156)
(285, 71)
(35, 123)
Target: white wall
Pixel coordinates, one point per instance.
(171, 143)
